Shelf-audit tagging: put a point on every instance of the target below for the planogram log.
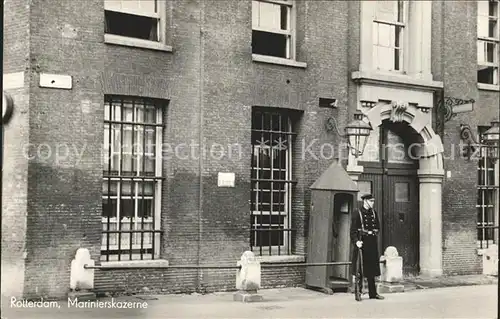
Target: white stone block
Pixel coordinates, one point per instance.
(248, 277)
(392, 269)
(81, 278)
(490, 261)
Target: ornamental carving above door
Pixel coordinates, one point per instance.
(398, 111)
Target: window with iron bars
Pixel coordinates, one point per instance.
(132, 174)
(487, 198)
(272, 183)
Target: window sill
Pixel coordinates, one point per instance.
(279, 61)
(135, 263)
(136, 43)
(281, 259)
(488, 87)
(394, 79)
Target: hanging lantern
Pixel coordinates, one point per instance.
(357, 133)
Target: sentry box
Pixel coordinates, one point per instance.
(333, 199)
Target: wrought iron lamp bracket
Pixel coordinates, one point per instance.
(331, 125)
(445, 106)
(445, 110)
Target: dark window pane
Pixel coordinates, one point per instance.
(145, 208)
(109, 207)
(129, 25)
(284, 17)
(486, 75)
(279, 185)
(266, 43)
(276, 220)
(256, 121)
(126, 208)
(270, 236)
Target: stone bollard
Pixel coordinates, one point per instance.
(81, 279)
(490, 261)
(391, 271)
(248, 278)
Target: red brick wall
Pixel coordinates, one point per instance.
(214, 82)
(64, 205)
(459, 64)
(211, 84)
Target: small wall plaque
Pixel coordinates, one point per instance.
(56, 81)
(225, 180)
(13, 80)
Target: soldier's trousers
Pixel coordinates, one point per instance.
(372, 289)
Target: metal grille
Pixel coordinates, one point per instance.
(272, 184)
(487, 199)
(132, 178)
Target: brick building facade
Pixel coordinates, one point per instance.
(203, 73)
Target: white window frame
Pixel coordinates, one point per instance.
(160, 14)
(483, 40)
(417, 34)
(403, 48)
(290, 32)
(157, 185)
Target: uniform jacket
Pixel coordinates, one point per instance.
(370, 221)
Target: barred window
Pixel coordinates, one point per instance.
(132, 178)
(487, 198)
(271, 175)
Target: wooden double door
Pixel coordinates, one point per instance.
(396, 190)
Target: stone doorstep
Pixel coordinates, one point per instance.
(387, 287)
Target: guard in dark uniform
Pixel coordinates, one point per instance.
(366, 220)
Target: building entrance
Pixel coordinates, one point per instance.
(390, 174)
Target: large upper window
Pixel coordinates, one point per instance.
(271, 193)
(132, 178)
(272, 28)
(140, 19)
(488, 42)
(388, 35)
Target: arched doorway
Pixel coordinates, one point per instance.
(390, 174)
(406, 121)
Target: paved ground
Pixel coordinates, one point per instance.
(478, 301)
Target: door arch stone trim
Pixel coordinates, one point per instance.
(430, 173)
